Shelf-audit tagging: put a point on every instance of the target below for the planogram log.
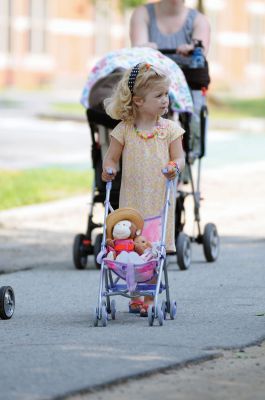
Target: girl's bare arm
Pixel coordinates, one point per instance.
(111, 159)
(177, 156)
(176, 153)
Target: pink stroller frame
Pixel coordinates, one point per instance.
(136, 277)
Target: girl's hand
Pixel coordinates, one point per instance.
(106, 176)
(171, 170)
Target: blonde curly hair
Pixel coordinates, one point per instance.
(120, 105)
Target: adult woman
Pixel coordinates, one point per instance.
(169, 24)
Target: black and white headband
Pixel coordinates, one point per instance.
(133, 76)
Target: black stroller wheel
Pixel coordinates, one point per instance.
(97, 248)
(183, 247)
(151, 315)
(211, 242)
(79, 252)
(7, 302)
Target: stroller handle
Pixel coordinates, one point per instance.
(109, 183)
(167, 51)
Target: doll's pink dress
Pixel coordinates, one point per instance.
(143, 185)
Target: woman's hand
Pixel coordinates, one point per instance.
(106, 176)
(185, 49)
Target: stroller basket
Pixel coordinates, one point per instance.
(133, 274)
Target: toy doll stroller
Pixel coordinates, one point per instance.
(99, 86)
(7, 302)
(136, 276)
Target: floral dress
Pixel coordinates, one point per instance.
(143, 185)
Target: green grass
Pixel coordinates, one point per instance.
(237, 108)
(69, 108)
(19, 188)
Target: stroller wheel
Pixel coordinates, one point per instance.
(211, 242)
(79, 252)
(173, 309)
(160, 314)
(113, 309)
(164, 308)
(97, 248)
(7, 302)
(183, 247)
(104, 316)
(151, 315)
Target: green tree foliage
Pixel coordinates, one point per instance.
(131, 3)
(200, 6)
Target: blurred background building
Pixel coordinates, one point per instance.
(54, 43)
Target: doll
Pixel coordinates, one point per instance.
(123, 226)
(145, 248)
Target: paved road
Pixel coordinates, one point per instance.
(49, 348)
(27, 142)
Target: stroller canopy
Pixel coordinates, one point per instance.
(179, 93)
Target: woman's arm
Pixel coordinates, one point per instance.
(139, 28)
(201, 31)
(111, 159)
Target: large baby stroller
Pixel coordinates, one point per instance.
(137, 276)
(105, 72)
(7, 302)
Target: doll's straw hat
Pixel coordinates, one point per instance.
(126, 213)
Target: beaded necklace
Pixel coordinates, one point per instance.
(147, 135)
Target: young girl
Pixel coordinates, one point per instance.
(148, 143)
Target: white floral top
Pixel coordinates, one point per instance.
(143, 185)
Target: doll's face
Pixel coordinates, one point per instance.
(141, 243)
(124, 230)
